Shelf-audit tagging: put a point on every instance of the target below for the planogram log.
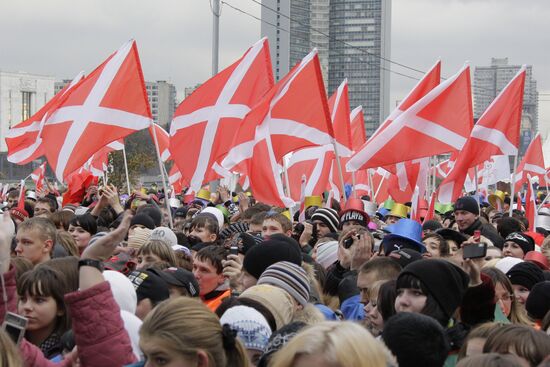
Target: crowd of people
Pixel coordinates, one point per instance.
(221, 280)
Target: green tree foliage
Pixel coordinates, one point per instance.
(141, 157)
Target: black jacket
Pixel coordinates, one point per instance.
(487, 230)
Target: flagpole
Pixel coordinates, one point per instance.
(339, 166)
(434, 175)
(162, 174)
(379, 187)
(513, 183)
(371, 185)
(475, 178)
(126, 168)
(215, 35)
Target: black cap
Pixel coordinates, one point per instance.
(149, 285)
(179, 277)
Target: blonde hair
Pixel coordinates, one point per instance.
(160, 249)
(186, 325)
(338, 343)
(68, 243)
(10, 355)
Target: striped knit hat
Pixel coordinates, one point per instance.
(139, 237)
(290, 277)
(329, 217)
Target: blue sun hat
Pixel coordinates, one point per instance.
(405, 233)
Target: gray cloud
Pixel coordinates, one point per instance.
(62, 37)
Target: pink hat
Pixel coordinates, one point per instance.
(538, 259)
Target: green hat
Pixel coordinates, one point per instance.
(389, 203)
(225, 212)
(443, 208)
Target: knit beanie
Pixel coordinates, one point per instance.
(327, 253)
(467, 203)
(139, 237)
(431, 225)
(445, 282)
(251, 326)
(329, 217)
(143, 220)
(279, 339)
(538, 301)
(525, 274)
(506, 263)
(290, 277)
(521, 240)
(276, 248)
(276, 300)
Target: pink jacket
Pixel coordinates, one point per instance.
(98, 328)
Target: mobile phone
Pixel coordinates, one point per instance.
(234, 250)
(14, 325)
(474, 251)
(477, 235)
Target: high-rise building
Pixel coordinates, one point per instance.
(21, 95)
(489, 82)
(353, 41)
(162, 99)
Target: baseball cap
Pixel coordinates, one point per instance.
(179, 277)
(149, 285)
(164, 234)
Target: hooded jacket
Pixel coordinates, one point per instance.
(487, 230)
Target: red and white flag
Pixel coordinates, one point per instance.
(408, 176)
(24, 140)
(293, 115)
(358, 132)
(206, 122)
(163, 141)
(109, 104)
(495, 133)
(38, 176)
(316, 163)
(417, 126)
(532, 163)
(98, 163)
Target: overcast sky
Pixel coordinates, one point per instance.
(62, 37)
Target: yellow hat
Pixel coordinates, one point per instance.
(203, 194)
(313, 201)
(248, 193)
(399, 210)
(493, 199)
(286, 213)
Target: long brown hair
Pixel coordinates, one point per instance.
(186, 325)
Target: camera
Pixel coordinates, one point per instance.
(348, 242)
(14, 325)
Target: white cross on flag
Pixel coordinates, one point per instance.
(98, 163)
(532, 163)
(316, 162)
(293, 115)
(38, 176)
(495, 133)
(24, 140)
(437, 123)
(163, 139)
(206, 122)
(109, 104)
